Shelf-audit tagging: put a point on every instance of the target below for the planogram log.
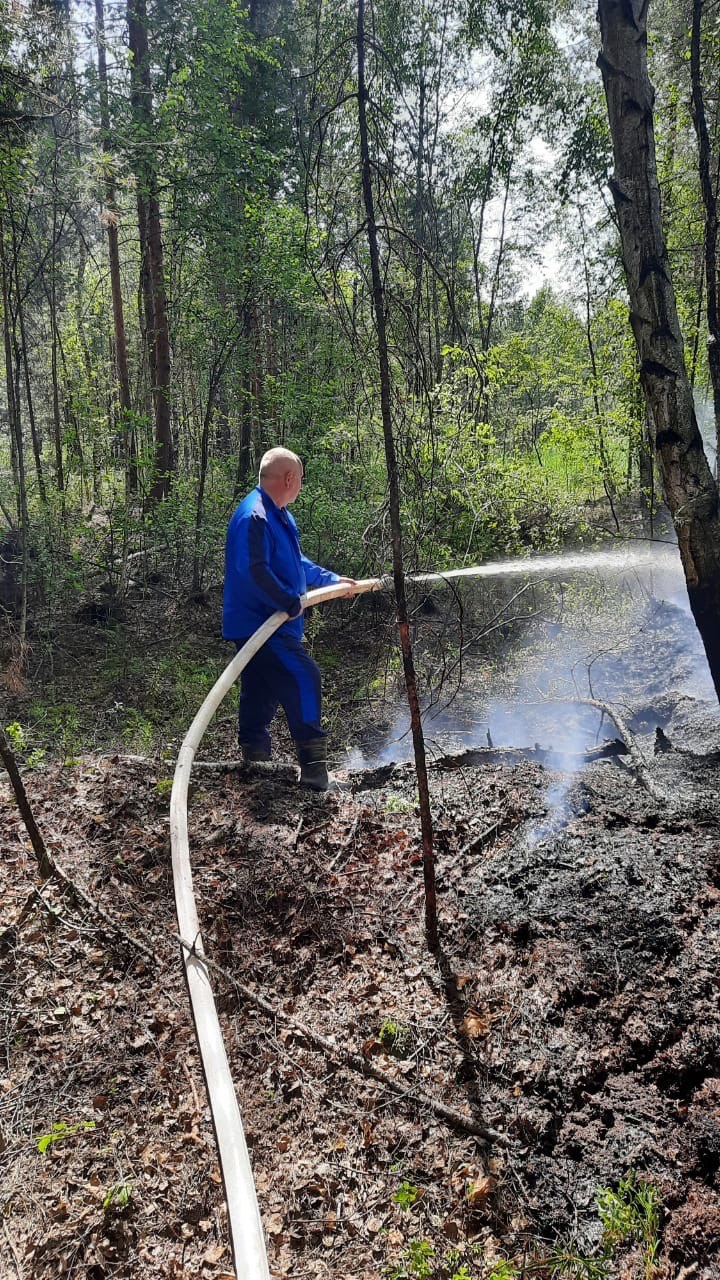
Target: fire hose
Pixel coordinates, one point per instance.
(245, 1225)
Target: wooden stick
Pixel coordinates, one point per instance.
(46, 865)
(347, 1058)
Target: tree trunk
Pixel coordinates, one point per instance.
(605, 467)
(646, 471)
(124, 398)
(57, 422)
(394, 487)
(149, 223)
(688, 483)
(34, 435)
(202, 480)
(711, 216)
(12, 383)
(415, 379)
(28, 394)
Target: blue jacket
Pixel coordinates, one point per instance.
(265, 570)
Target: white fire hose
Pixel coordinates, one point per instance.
(245, 1226)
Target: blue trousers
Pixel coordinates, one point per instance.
(282, 674)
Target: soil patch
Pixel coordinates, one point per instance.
(574, 1010)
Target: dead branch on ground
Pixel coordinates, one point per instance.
(347, 1058)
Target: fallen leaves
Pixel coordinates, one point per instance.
(479, 1191)
(476, 1024)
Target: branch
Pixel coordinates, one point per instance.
(347, 1058)
(636, 756)
(46, 864)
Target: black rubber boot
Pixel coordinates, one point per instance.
(313, 764)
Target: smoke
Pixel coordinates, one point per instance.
(625, 638)
(353, 760)
(538, 715)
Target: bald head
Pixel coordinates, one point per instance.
(281, 474)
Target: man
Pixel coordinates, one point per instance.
(265, 570)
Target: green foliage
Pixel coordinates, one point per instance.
(511, 433)
(416, 1262)
(119, 1198)
(32, 758)
(62, 1130)
(630, 1218)
(631, 1214)
(395, 1039)
(407, 1193)
(399, 804)
(16, 735)
(66, 731)
(503, 1269)
(137, 730)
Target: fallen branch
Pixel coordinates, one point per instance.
(347, 1058)
(342, 1057)
(636, 757)
(490, 833)
(81, 895)
(55, 871)
(339, 1056)
(545, 756)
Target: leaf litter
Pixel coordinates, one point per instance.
(573, 1010)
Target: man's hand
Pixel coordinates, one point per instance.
(349, 582)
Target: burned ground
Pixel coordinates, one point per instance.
(573, 1010)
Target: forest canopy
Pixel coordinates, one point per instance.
(185, 279)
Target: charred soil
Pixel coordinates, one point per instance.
(573, 1010)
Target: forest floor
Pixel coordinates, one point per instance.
(572, 1017)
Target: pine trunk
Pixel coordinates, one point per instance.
(120, 345)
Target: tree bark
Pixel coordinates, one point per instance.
(26, 363)
(12, 383)
(121, 363)
(394, 488)
(711, 216)
(57, 420)
(202, 479)
(688, 483)
(149, 224)
(605, 467)
(29, 398)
